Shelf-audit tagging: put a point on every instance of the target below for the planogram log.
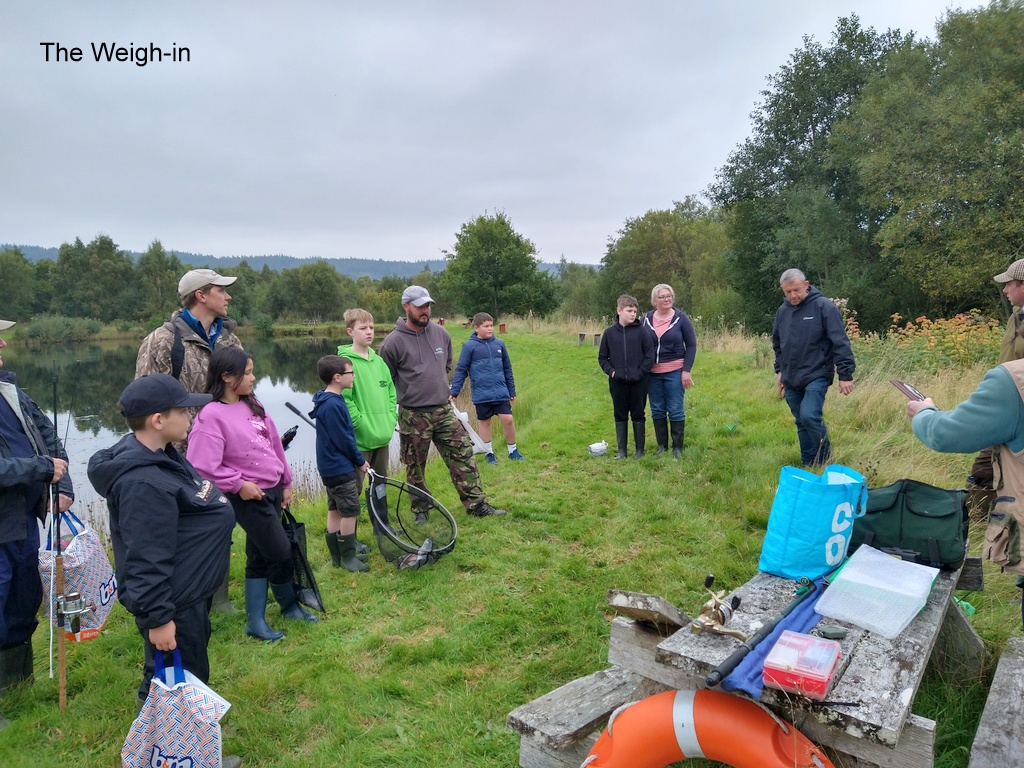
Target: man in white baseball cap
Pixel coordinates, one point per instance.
(182, 347)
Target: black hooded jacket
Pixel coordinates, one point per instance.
(810, 342)
(627, 351)
(171, 530)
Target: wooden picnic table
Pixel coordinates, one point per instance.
(871, 725)
(875, 682)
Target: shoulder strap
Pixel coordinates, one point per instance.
(177, 352)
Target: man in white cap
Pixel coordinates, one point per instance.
(182, 347)
(32, 460)
(419, 354)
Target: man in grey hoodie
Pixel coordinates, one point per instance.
(419, 355)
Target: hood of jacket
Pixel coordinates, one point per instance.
(126, 455)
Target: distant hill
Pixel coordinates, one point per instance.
(354, 268)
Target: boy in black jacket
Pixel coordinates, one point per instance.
(170, 528)
(626, 355)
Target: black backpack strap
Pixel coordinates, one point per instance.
(177, 352)
(933, 553)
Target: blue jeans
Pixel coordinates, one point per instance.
(806, 405)
(666, 396)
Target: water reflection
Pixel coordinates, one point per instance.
(90, 377)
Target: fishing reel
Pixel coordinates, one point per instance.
(73, 605)
(716, 613)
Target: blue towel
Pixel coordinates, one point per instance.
(747, 676)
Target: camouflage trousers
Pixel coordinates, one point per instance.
(418, 428)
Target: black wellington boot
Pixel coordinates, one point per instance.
(661, 434)
(678, 430)
(621, 436)
(256, 611)
(639, 437)
(290, 608)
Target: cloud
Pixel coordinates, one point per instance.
(341, 129)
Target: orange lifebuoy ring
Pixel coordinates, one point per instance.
(676, 725)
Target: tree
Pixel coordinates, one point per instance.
(792, 202)
(679, 247)
(95, 280)
(19, 279)
(939, 148)
(157, 274)
(314, 291)
(578, 290)
(492, 268)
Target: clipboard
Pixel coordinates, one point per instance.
(908, 390)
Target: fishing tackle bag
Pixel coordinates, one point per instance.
(811, 521)
(916, 522)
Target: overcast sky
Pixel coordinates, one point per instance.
(375, 130)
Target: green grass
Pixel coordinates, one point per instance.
(420, 668)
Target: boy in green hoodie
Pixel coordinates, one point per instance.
(372, 401)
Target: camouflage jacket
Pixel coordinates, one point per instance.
(155, 353)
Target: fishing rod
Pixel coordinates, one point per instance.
(58, 566)
(301, 415)
(724, 669)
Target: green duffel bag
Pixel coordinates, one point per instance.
(917, 522)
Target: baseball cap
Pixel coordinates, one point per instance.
(5, 324)
(157, 392)
(417, 296)
(195, 279)
(1013, 272)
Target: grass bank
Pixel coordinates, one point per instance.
(420, 668)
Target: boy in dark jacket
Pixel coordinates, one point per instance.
(626, 355)
(170, 528)
(484, 360)
(338, 460)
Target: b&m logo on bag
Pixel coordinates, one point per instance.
(159, 760)
(108, 590)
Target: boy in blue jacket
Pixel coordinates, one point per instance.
(338, 460)
(484, 360)
(627, 355)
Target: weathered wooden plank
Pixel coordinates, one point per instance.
(916, 747)
(881, 675)
(972, 576)
(535, 753)
(632, 646)
(960, 651)
(650, 609)
(999, 740)
(565, 715)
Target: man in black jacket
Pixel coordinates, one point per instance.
(810, 343)
(31, 460)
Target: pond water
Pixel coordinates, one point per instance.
(90, 378)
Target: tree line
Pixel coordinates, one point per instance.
(888, 167)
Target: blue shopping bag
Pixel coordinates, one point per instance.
(179, 725)
(811, 521)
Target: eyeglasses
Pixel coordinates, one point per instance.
(662, 298)
(348, 373)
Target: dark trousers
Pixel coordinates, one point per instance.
(192, 634)
(21, 591)
(628, 399)
(268, 555)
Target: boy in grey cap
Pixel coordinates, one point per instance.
(419, 355)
